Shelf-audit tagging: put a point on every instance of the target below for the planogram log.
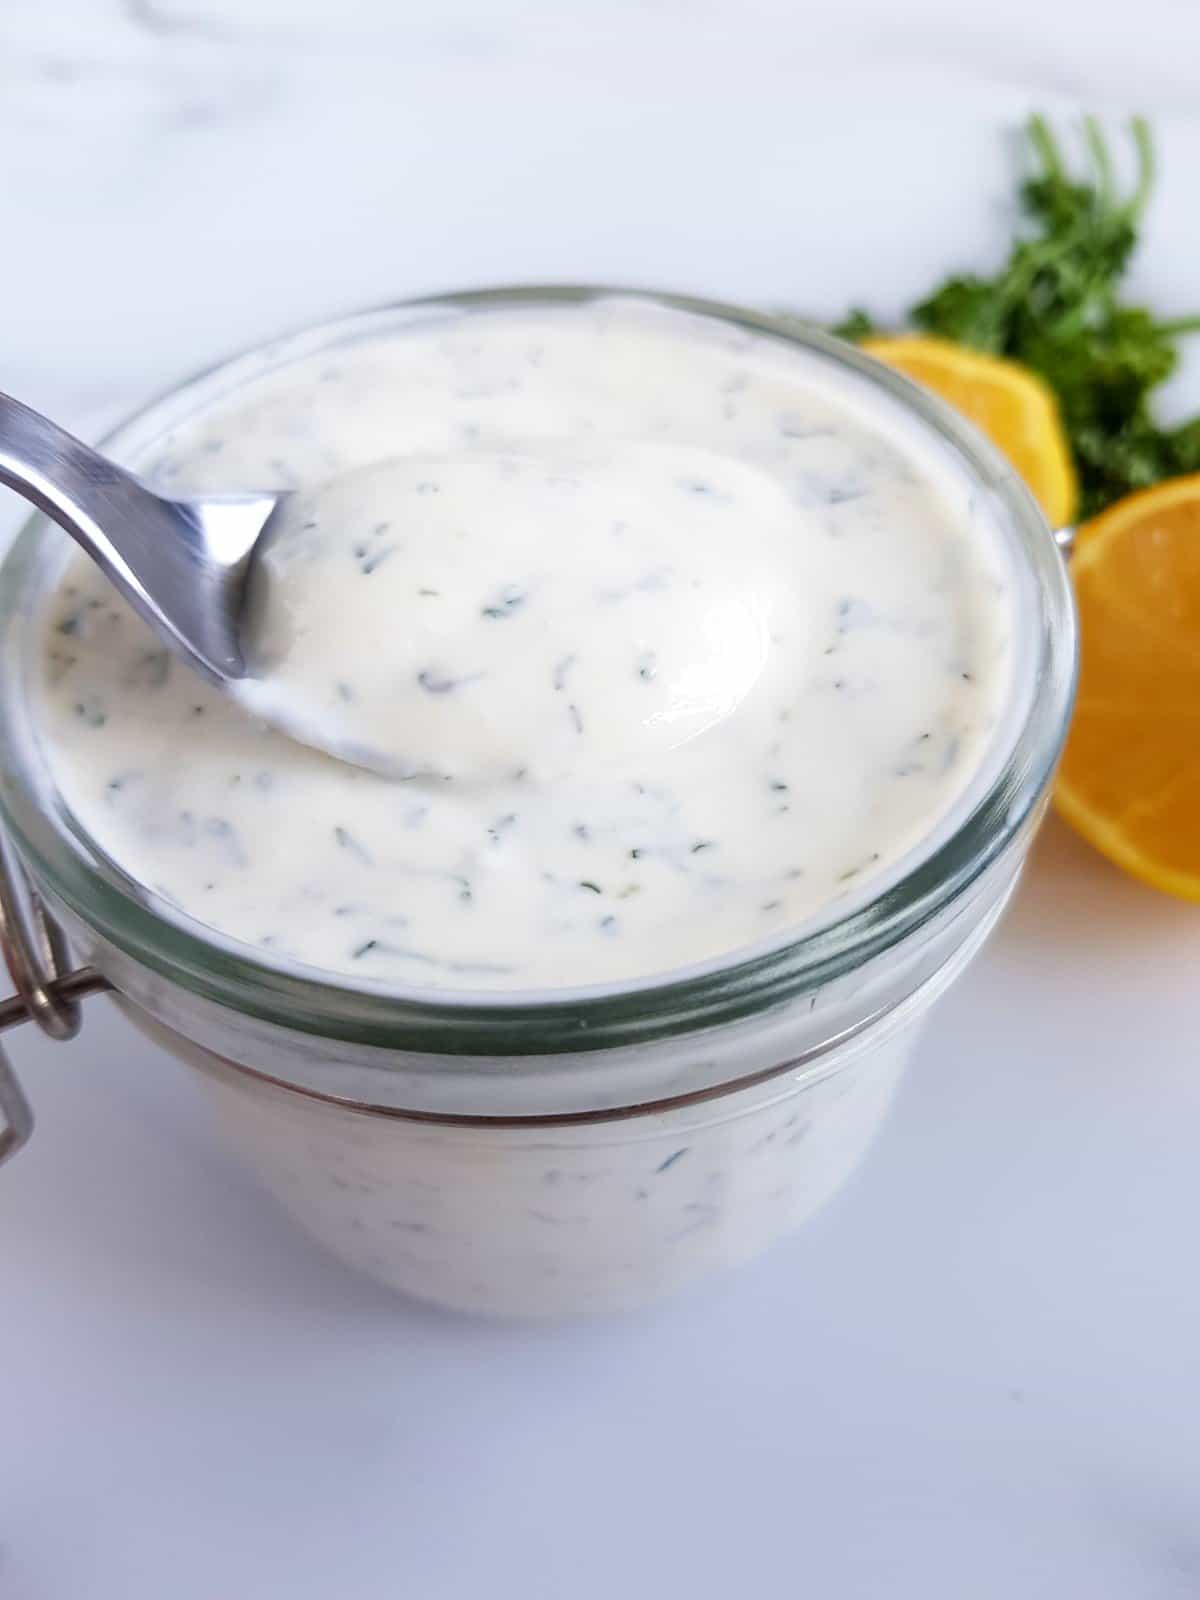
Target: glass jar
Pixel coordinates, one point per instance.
(570, 1151)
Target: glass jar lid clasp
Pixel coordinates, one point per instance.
(48, 990)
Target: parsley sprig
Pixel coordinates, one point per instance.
(1055, 306)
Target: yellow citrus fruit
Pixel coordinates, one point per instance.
(1004, 400)
(1130, 778)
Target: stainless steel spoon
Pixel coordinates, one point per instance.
(181, 564)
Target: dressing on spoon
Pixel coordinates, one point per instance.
(492, 616)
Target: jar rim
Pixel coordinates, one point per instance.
(740, 984)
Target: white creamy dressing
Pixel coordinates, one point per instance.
(668, 635)
(527, 616)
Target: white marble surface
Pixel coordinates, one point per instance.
(976, 1375)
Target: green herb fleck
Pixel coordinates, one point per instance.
(348, 842)
(663, 1166)
(510, 600)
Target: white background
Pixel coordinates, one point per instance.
(976, 1374)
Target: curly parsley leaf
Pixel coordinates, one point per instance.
(1055, 306)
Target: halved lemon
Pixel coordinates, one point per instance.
(1130, 778)
(1006, 401)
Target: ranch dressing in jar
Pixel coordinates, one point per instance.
(667, 641)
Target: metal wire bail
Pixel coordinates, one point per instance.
(48, 994)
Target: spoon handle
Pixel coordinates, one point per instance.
(180, 564)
